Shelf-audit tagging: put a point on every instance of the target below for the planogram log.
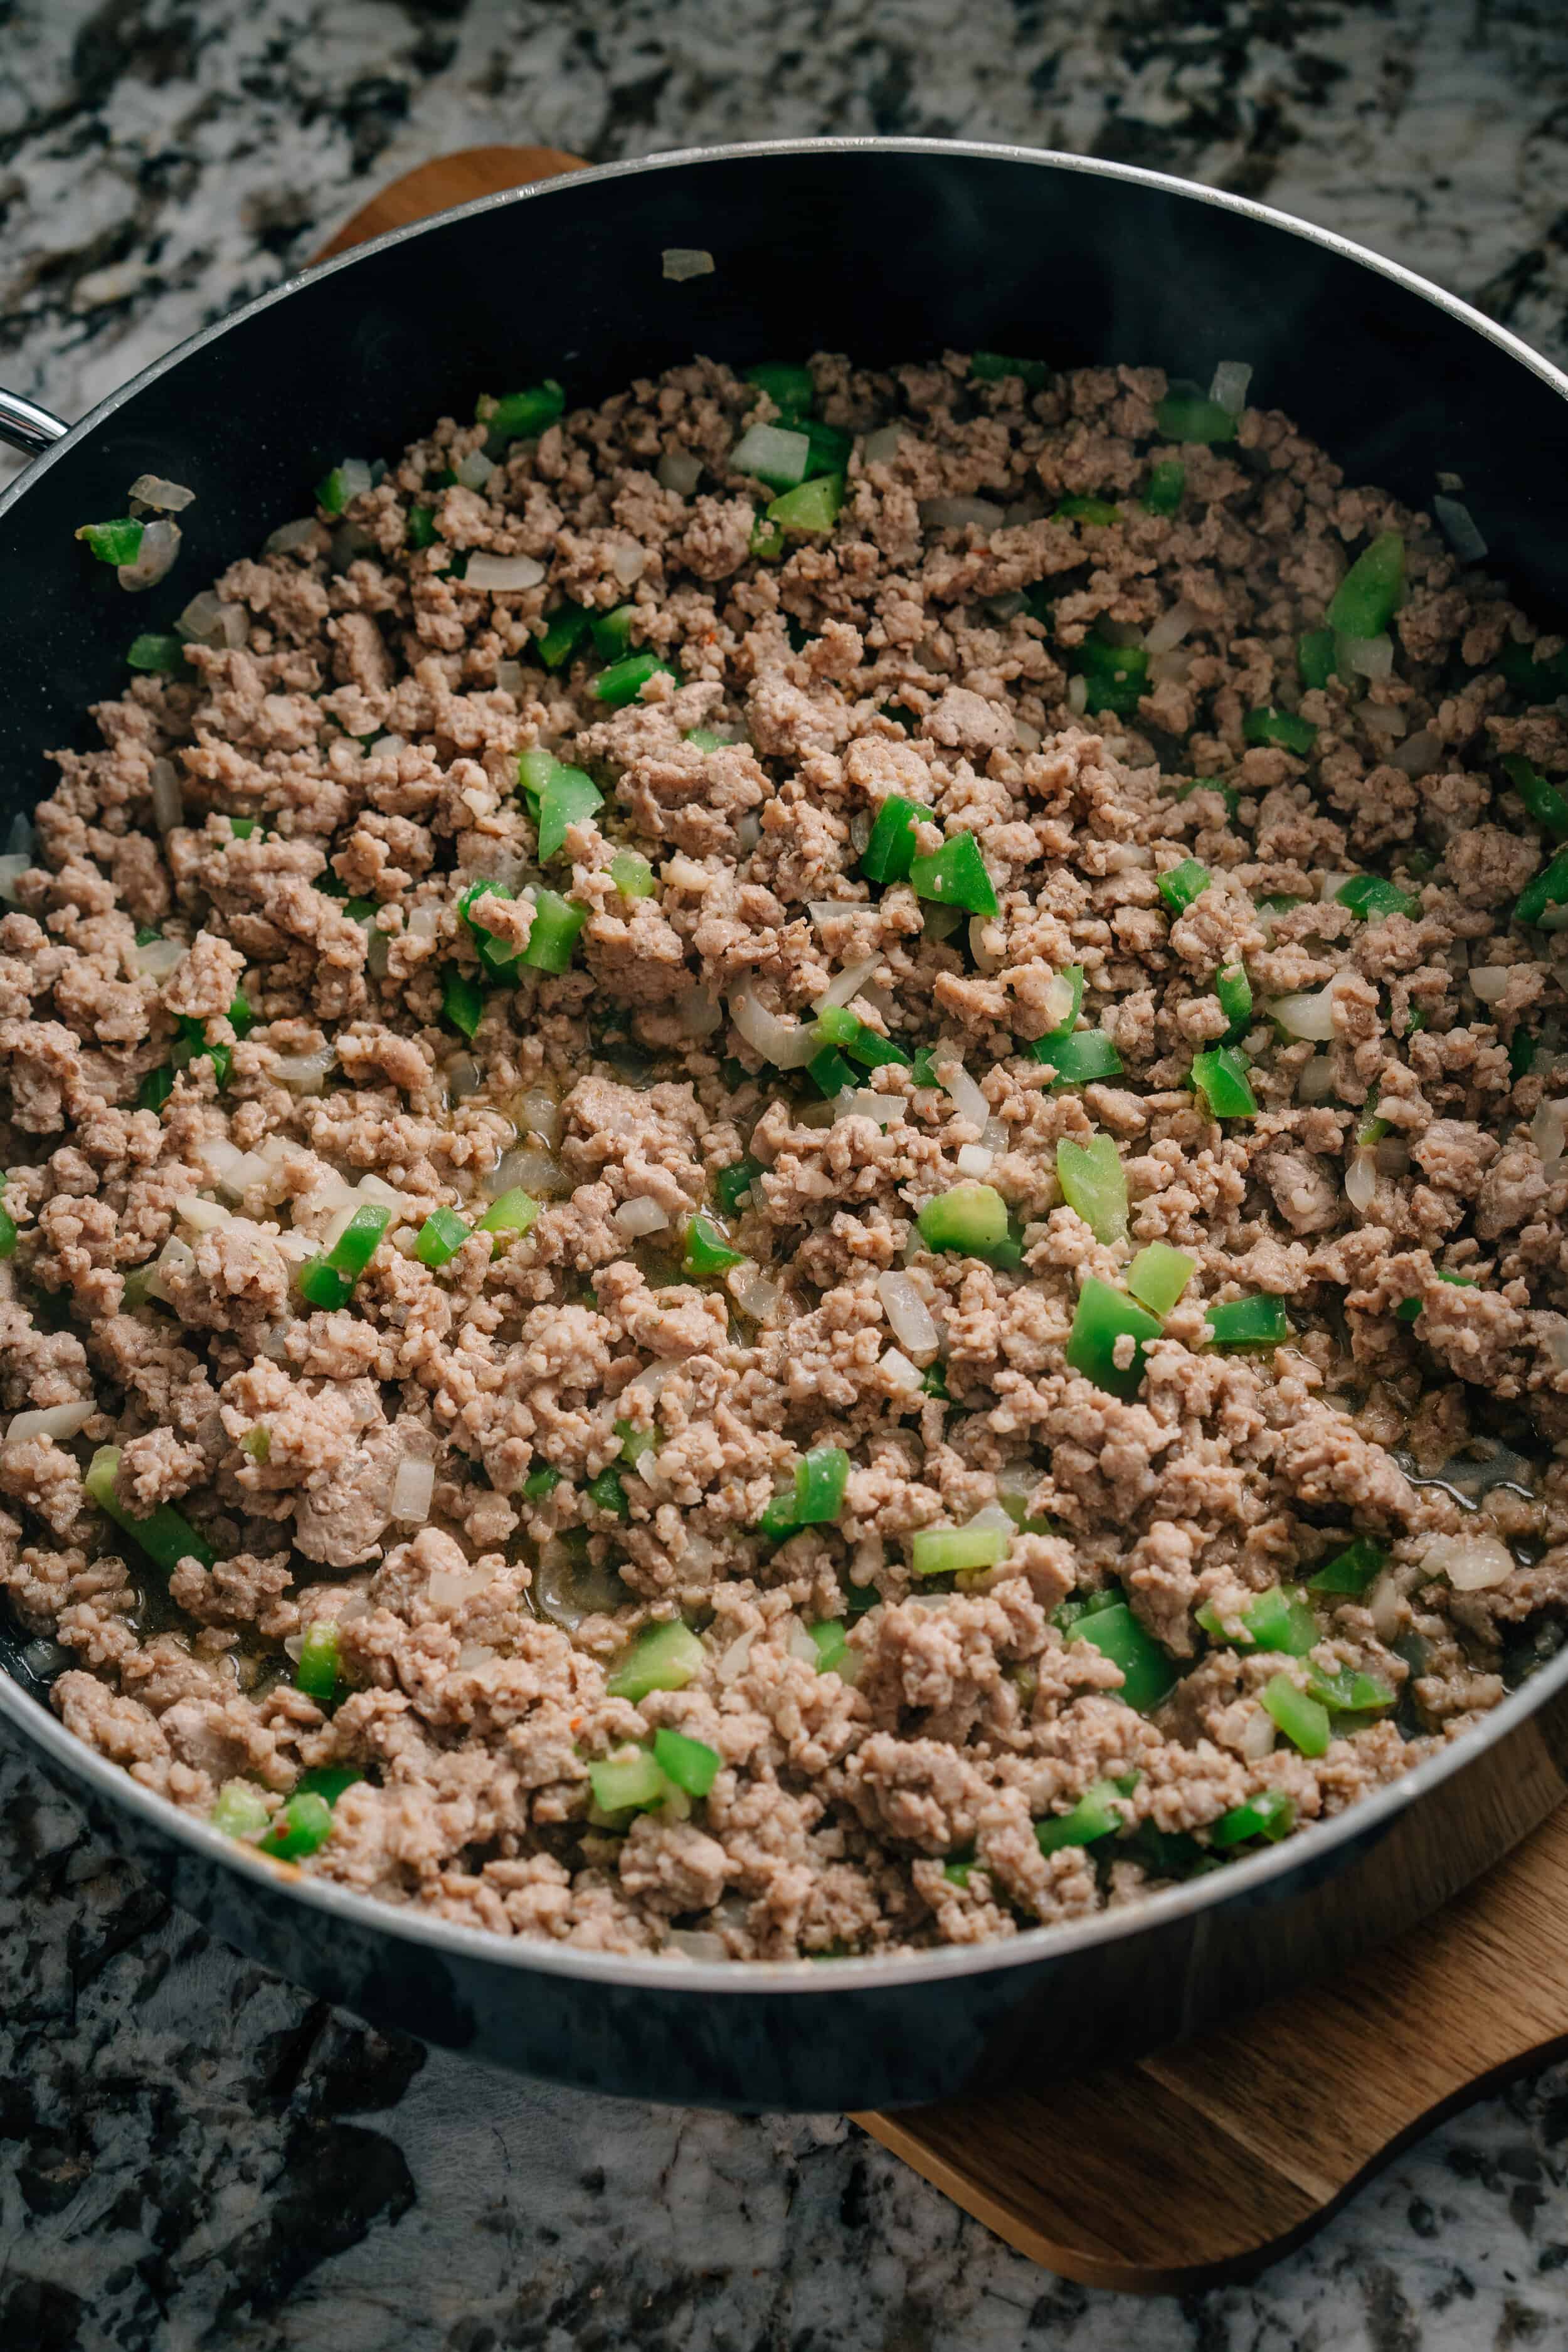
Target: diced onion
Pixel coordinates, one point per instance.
(1383, 720)
(956, 514)
(354, 478)
(683, 261)
(1315, 1080)
(847, 983)
(1385, 1606)
(11, 869)
(1078, 695)
(628, 565)
(1458, 526)
(697, 1013)
(1361, 1179)
(1309, 1014)
(880, 448)
(973, 1160)
(1549, 1133)
(295, 538)
(159, 958)
(202, 1217)
(1257, 1738)
(57, 1421)
(530, 1166)
(1368, 657)
(1027, 737)
(21, 841)
(1489, 981)
(787, 1044)
(537, 1113)
(747, 832)
(153, 491)
(160, 545)
(1007, 607)
(865, 1102)
(474, 471)
(681, 470)
(463, 1075)
(412, 1490)
(753, 1293)
(1171, 626)
(731, 1662)
(801, 1645)
(424, 923)
(696, 1944)
(636, 1218)
(1418, 754)
(304, 1073)
(510, 678)
(503, 573)
(984, 959)
(1470, 1563)
(168, 801)
(909, 1317)
(965, 1096)
(1231, 378)
(208, 620)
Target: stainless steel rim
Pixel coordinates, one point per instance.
(802, 1977)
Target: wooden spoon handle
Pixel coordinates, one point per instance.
(1208, 2161)
(448, 180)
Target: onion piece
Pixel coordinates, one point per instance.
(304, 1073)
(1256, 1739)
(683, 261)
(801, 1645)
(1368, 657)
(1385, 1606)
(1078, 695)
(865, 1102)
(474, 471)
(680, 470)
(57, 1421)
(503, 574)
(168, 801)
(731, 1662)
(1315, 1080)
(1024, 736)
(697, 1013)
(957, 514)
(753, 1293)
(159, 958)
(159, 546)
(636, 1218)
(696, 1944)
(155, 490)
(1489, 981)
(986, 960)
(1309, 1014)
(530, 1166)
(11, 869)
(202, 1217)
(1383, 720)
(1171, 626)
(1549, 1133)
(1418, 754)
(973, 1160)
(880, 448)
(747, 832)
(208, 620)
(412, 1491)
(628, 565)
(1231, 378)
(909, 1317)
(537, 1113)
(957, 1084)
(1361, 1179)
(1459, 527)
(1470, 1563)
(293, 538)
(787, 1044)
(847, 983)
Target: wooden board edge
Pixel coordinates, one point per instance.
(444, 181)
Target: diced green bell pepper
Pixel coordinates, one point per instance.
(328, 1781)
(1103, 1317)
(967, 1217)
(300, 1828)
(691, 1764)
(154, 651)
(1187, 414)
(1094, 1183)
(315, 1673)
(787, 384)
(1315, 657)
(1547, 888)
(1076, 509)
(631, 874)
(1159, 1275)
(1271, 1815)
(7, 1233)
(509, 1217)
(240, 1810)
(955, 877)
(832, 1642)
(1183, 884)
(1368, 596)
(420, 529)
(1257, 1322)
(632, 1780)
(624, 681)
(556, 923)
(1409, 1309)
(440, 1237)
(1542, 800)
(462, 1001)
(820, 1478)
(1097, 1813)
(1079, 1058)
(1167, 487)
(1234, 991)
(707, 1252)
(940, 1552)
(1148, 1673)
(891, 846)
(165, 1535)
(1303, 1720)
(1359, 1564)
(1370, 897)
(1115, 677)
(1275, 1620)
(1286, 728)
(811, 509)
(1347, 1692)
(733, 1184)
(663, 1657)
(1220, 1081)
(991, 367)
(521, 415)
(563, 634)
(540, 1484)
(112, 542)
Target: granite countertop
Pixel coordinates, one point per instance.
(192, 2152)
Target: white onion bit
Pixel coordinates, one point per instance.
(636, 1218)
(153, 491)
(412, 1490)
(1368, 657)
(1171, 626)
(880, 448)
(1231, 378)
(1549, 1133)
(57, 1421)
(1470, 1563)
(909, 1317)
(474, 471)
(957, 514)
(787, 1044)
(683, 261)
(1309, 1014)
(680, 470)
(168, 801)
(11, 869)
(1361, 1180)
(973, 1160)
(847, 983)
(1488, 980)
(503, 574)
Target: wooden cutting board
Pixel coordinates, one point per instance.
(1207, 2162)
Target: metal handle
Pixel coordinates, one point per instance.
(28, 427)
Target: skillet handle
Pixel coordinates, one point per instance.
(27, 426)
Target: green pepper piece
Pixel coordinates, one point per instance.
(1368, 596)
(420, 529)
(890, 849)
(1271, 1814)
(1234, 991)
(1159, 1275)
(813, 508)
(787, 384)
(1255, 1322)
(608, 1491)
(733, 1185)
(556, 923)
(1104, 1317)
(300, 1828)
(509, 1217)
(7, 1233)
(940, 1552)
(820, 1478)
(631, 874)
(1542, 800)
(612, 631)
(967, 1217)
(112, 542)
(767, 540)
(1167, 487)
(707, 1252)
(955, 877)
(691, 1764)
(1347, 1692)
(1370, 897)
(441, 1236)
(1081, 510)
(1359, 1564)
(1094, 1183)
(321, 1286)
(832, 1642)
(1115, 677)
(1315, 657)
(1187, 414)
(563, 634)
(1539, 681)
(778, 1518)
(1409, 1308)
(521, 415)
(155, 1088)
(632, 1780)
(317, 1672)
(830, 1071)
(1072, 1611)
(328, 1781)
(568, 798)
(1303, 1720)
(153, 651)
(1275, 1620)
(1078, 1058)
(1183, 885)
(663, 1657)
(241, 1016)
(1097, 1813)
(1220, 1081)
(165, 1535)
(991, 367)
(624, 681)
(356, 1245)
(240, 1810)
(462, 1001)
(1148, 1675)
(1286, 728)
(332, 491)
(1547, 888)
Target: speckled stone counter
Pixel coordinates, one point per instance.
(193, 2153)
